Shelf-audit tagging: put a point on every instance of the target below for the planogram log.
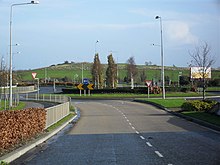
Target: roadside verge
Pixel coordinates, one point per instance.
(192, 119)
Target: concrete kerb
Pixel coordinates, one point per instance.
(200, 122)
(22, 150)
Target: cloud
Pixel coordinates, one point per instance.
(177, 31)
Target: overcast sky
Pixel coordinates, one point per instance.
(55, 31)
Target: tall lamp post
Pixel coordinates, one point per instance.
(162, 56)
(10, 72)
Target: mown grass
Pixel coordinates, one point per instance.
(168, 103)
(19, 107)
(210, 118)
(132, 95)
(176, 103)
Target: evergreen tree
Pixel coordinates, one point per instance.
(111, 73)
(97, 72)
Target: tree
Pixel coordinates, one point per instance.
(97, 72)
(201, 58)
(111, 73)
(143, 76)
(131, 69)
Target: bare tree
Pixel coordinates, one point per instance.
(202, 58)
(132, 71)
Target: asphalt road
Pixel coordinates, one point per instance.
(128, 133)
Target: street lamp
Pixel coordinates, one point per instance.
(96, 45)
(10, 31)
(162, 56)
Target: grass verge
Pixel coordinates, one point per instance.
(20, 106)
(132, 95)
(210, 118)
(167, 103)
(176, 103)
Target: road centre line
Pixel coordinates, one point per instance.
(137, 132)
(159, 154)
(142, 137)
(149, 144)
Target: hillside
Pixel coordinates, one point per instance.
(73, 72)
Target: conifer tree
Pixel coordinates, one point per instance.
(111, 73)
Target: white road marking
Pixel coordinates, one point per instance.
(133, 128)
(137, 132)
(129, 123)
(142, 137)
(127, 120)
(149, 144)
(159, 154)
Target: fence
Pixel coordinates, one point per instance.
(45, 97)
(15, 89)
(55, 113)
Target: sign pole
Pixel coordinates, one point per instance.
(148, 93)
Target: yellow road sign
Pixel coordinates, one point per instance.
(90, 86)
(80, 86)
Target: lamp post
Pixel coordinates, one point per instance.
(162, 56)
(96, 46)
(10, 63)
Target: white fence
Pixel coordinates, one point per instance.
(56, 113)
(15, 89)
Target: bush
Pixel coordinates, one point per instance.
(198, 105)
(19, 126)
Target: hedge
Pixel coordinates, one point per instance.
(20, 126)
(198, 105)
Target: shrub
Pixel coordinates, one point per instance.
(198, 105)
(19, 126)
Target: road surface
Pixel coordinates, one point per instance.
(128, 133)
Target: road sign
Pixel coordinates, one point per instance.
(34, 74)
(148, 82)
(85, 81)
(80, 87)
(85, 86)
(90, 86)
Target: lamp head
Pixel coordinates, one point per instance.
(35, 2)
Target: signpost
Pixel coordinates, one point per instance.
(85, 86)
(34, 74)
(148, 84)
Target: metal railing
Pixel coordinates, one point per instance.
(15, 89)
(56, 113)
(46, 97)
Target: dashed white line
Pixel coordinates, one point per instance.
(127, 120)
(142, 137)
(129, 123)
(133, 128)
(137, 132)
(149, 144)
(159, 154)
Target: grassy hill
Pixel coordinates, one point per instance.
(73, 72)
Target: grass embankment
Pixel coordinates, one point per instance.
(20, 106)
(132, 95)
(177, 103)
